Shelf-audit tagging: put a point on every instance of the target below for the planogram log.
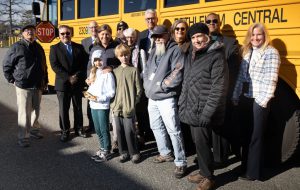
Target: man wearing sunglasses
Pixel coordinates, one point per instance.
(121, 26)
(145, 36)
(25, 66)
(68, 60)
(226, 134)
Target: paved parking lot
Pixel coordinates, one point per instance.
(49, 164)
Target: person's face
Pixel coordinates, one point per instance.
(199, 40)
(98, 62)
(124, 59)
(131, 40)
(180, 32)
(65, 35)
(213, 23)
(104, 37)
(151, 20)
(93, 28)
(257, 38)
(29, 34)
(161, 39)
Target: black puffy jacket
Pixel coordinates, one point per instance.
(204, 87)
(25, 65)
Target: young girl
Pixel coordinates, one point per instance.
(128, 93)
(101, 90)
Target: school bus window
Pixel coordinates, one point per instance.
(52, 4)
(86, 8)
(67, 9)
(172, 3)
(138, 5)
(108, 7)
(211, 0)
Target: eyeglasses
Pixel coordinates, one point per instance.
(180, 28)
(150, 19)
(65, 33)
(214, 21)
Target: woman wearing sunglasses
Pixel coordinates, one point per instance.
(178, 32)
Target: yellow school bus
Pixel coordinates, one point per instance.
(282, 18)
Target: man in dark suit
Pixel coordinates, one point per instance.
(88, 45)
(145, 36)
(227, 134)
(68, 61)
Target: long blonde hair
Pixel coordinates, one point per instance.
(247, 42)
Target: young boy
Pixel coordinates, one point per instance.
(128, 93)
(101, 90)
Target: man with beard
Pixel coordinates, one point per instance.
(162, 80)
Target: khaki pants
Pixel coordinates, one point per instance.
(28, 101)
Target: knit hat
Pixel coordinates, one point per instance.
(123, 25)
(27, 27)
(198, 28)
(96, 54)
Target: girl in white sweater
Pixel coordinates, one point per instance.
(101, 90)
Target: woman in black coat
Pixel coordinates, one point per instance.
(203, 97)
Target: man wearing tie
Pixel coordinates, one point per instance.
(68, 60)
(146, 43)
(88, 45)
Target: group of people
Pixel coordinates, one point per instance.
(157, 79)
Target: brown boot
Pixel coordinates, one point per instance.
(206, 184)
(195, 178)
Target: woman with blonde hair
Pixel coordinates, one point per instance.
(254, 89)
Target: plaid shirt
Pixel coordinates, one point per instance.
(263, 74)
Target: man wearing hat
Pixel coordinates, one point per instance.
(25, 66)
(121, 26)
(203, 97)
(162, 80)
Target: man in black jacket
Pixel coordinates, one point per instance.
(146, 43)
(68, 60)
(227, 133)
(202, 99)
(25, 66)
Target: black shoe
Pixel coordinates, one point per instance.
(246, 178)
(90, 130)
(64, 137)
(80, 133)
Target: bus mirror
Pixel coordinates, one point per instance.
(36, 8)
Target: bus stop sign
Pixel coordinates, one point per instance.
(45, 31)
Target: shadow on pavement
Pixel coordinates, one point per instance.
(50, 164)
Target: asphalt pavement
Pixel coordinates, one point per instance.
(49, 164)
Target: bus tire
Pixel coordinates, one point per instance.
(283, 131)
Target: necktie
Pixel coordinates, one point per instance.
(69, 50)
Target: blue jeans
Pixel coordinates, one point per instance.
(164, 121)
(101, 124)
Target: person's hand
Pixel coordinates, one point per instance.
(73, 79)
(106, 69)
(235, 102)
(204, 122)
(88, 81)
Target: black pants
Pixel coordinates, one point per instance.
(127, 142)
(253, 124)
(202, 138)
(64, 101)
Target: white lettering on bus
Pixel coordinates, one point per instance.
(45, 31)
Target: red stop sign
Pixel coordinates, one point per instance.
(45, 31)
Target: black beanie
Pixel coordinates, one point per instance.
(198, 28)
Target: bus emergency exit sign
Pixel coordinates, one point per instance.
(45, 31)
